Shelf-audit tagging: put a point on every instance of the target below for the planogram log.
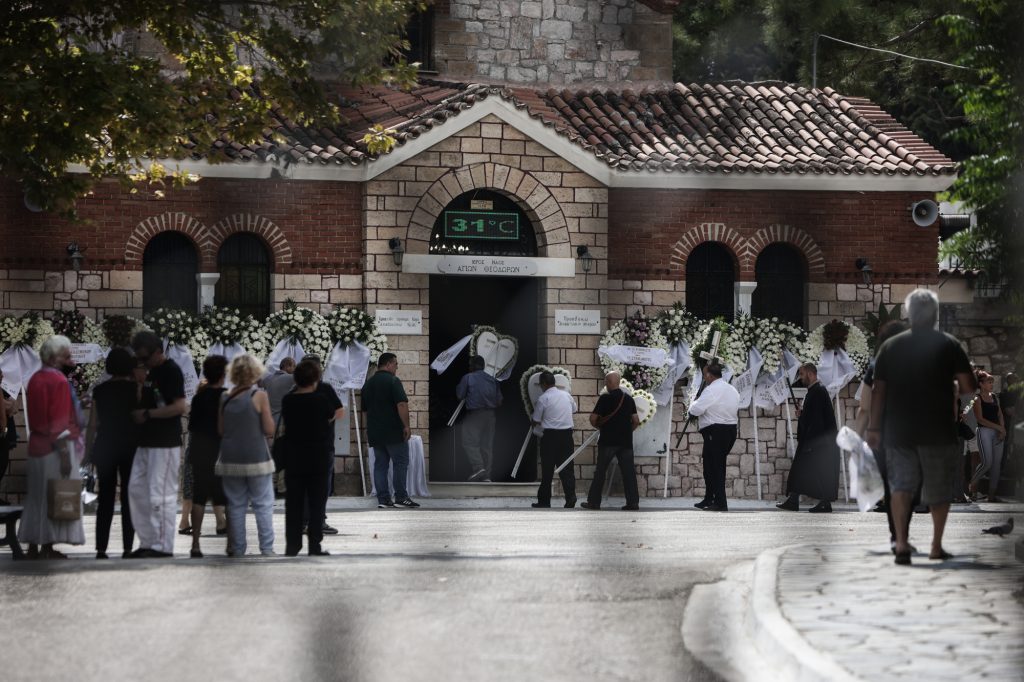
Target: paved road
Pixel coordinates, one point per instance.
(430, 594)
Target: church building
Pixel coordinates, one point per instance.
(545, 164)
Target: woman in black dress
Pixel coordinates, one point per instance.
(111, 438)
(204, 445)
(307, 421)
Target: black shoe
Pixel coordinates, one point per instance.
(385, 504)
(792, 503)
(101, 555)
(717, 508)
(570, 504)
(631, 507)
(187, 530)
(292, 551)
(146, 553)
(821, 508)
(196, 554)
(703, 503)
(319, 552)
(592, 507)
(408, 503)
(127, 554)
(903, 558)
(541, 505)
(329, 530)
(222, 531)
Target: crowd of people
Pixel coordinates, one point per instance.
(924, 409)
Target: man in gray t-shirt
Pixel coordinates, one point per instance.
(913, 413)
(278, 385)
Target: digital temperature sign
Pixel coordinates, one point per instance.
(481, 225)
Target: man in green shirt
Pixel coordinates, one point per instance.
(387, 427)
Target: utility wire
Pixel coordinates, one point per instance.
(874, 49)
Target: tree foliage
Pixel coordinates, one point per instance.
(972, 115)
(77, 93)
(987, 35)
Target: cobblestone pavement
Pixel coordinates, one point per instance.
(934, 620)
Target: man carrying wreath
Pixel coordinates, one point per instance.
(716, 411)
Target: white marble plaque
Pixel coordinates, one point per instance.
(577, 321)
(399, 322)
(505, 266)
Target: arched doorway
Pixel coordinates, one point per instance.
(244, 266)
(486, 223)
(169, 266)
(781, 284)
(710, 281)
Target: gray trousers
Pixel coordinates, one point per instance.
(991, 458)
(478, 439)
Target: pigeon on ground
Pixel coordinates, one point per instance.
(1002, 530)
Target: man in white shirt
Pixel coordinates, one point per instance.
(553, 413)
(716, 410)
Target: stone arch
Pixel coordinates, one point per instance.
(535, 199)
(262, 227)
(710, 232)
(790, 235)
(152, 226)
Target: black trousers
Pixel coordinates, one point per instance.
(605, 455)
(109, 469)
(304, 490)
(5, 458)
(555, 447)
(718, 441)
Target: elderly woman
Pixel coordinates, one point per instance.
(52, 445)
(245, 466)
(990, 435)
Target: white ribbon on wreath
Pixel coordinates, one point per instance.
(19, 363)
(183, 359)
(347, 366)
(285, 348)
(679, 356)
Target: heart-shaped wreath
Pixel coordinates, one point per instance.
(646, 405)
(529, 384)
(499, 351)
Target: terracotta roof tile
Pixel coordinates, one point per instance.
(731, 127)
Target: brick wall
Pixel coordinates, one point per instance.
(547, 42)
(309, 227)
(656, 229)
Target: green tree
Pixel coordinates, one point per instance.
(986, 34)
(74, 93)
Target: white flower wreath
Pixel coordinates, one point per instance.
(181, 328)
(303, 325)
(856, 346)
(228, 326)
(29, 330)
(679, 325)
(636, 330)
(349, 324)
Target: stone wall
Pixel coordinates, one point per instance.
(992, 332)
(548, 42)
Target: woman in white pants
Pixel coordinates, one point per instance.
(245, 465)
(990, 436)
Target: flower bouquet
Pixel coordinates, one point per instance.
(349, 324)
(636, 330)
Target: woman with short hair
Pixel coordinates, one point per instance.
(111, 438)
(245, 465)
(204, 446)
(990, 436)
(308, 420)
(52, 442)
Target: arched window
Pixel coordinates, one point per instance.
(169, 267)
(781, 284)
(710, 280)
(244, 266)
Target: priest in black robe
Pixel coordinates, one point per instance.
(815, 471)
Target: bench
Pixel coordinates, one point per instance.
(9, 518)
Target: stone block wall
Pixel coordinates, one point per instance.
(547, 42)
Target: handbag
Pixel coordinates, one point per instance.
(64, 499)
